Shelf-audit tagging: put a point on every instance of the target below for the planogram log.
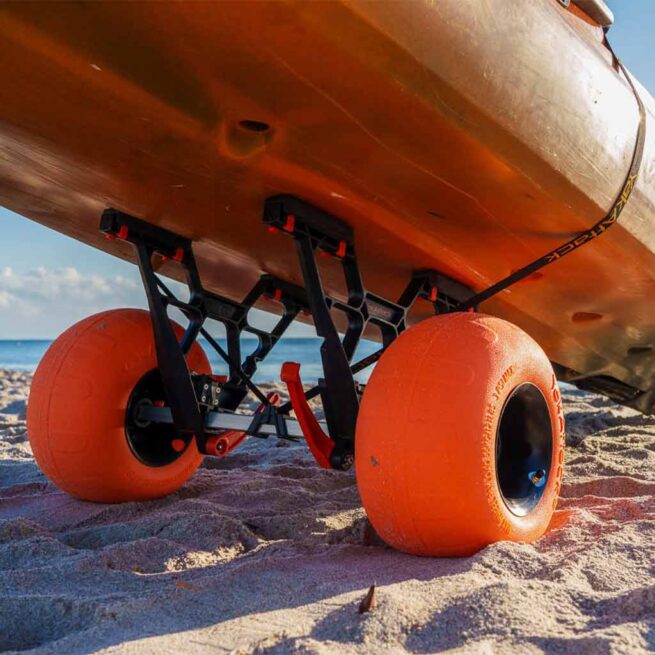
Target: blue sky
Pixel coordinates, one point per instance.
(48, 281)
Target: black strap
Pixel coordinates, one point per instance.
(593, 232)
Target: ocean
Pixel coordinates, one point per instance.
(25, 355)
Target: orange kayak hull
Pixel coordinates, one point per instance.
(465, 139)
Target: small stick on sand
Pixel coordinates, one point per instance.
(369, 601)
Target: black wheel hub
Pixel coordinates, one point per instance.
(154, 444)
(524, 449)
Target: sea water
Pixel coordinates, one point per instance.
(25, 355)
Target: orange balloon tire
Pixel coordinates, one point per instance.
(77, 410)
(453, 419)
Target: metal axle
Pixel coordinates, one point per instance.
(217, 421)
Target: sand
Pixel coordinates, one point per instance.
(263, 552)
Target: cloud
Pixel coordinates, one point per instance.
(41, 287)
(43, 302)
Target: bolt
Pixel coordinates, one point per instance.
(347, 461)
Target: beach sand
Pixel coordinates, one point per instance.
(263, 552)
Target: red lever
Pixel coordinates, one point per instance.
(319, 443)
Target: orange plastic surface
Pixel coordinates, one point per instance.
(466, 137)
(77, 404)
(426, 436)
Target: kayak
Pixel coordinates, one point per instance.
(466, 138)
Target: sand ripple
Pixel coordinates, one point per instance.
(265, 553)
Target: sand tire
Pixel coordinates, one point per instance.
(77, 419)
(460, 437)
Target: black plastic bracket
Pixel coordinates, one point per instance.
(148, 241)
(151, 241)
(268, 416)
(314, 230)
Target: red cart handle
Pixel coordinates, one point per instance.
(319, 443)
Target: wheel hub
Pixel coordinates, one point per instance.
(523, 449)
(153, 444)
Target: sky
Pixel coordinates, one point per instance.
(48, 281)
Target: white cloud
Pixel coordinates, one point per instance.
(42, 302)
(5, 299)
